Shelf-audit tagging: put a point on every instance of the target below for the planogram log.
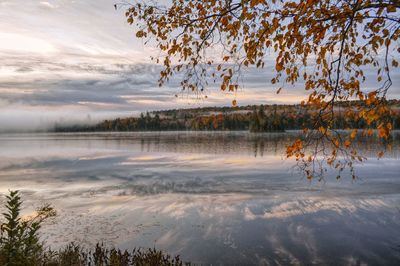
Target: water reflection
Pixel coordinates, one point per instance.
(227, 198)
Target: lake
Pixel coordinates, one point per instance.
(212, 197)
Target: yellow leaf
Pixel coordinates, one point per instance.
(353, 134)
(140, 34)
(322, 130)
(347, 143)
(279, 67)
(391, 8)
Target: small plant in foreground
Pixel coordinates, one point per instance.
(19, 240)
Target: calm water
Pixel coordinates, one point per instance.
(221, 198)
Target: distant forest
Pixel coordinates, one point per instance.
(255, 118)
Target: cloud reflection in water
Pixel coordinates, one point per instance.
(212, 197)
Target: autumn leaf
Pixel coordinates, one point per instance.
(353, 134)
(391, 8)
(347, 143)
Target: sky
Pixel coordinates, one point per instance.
(74, 60)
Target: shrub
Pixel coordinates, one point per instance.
(19, 240)
(102, 256)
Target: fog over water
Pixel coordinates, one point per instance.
(211, 197)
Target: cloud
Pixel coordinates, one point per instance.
(104, 88)
(24, 69)
(47, 5)
(13, 43)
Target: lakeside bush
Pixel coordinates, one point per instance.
(20, 244)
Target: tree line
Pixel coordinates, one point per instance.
(268, 118)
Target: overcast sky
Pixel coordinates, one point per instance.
(67, 60)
